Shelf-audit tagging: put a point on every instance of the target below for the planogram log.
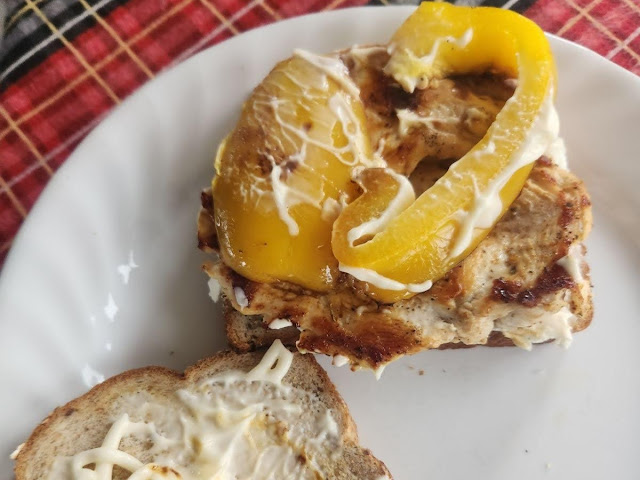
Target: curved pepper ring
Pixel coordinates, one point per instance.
(435, 232)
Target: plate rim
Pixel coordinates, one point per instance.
(140, 92)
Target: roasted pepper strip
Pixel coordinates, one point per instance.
(448, 220)
(283, 171)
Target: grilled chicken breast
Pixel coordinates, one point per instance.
(525, 283)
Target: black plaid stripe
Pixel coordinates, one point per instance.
(518, 5)
(29, 31)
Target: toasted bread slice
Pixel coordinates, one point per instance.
(526, 283)
(319, 438)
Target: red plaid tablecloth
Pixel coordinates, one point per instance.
(65, 63)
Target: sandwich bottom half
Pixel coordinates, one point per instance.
(525, 283)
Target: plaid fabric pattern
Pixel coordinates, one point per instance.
(65, 63)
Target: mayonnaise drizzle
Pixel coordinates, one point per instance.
(286, 193)
(241, 297)
(340, 360)
(408, 118)
(214, 289)
(232, 425)
(333, 67)
(571, 262)
(529, 326)
(487, 204)
(356, 138)
(405, 197)
(382, 282)
(278, 323)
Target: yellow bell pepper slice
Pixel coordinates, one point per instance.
(283, 171)
(448, 221)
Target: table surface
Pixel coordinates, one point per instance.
(64, 64)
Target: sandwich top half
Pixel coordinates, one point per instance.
(388, 199)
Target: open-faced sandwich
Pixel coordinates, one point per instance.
(383, 200)
(231, 416)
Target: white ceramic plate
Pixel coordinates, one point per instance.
(67, 315)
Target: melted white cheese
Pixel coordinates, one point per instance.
(233, 425)
(525, 326)
(410, 82)
(528, 326)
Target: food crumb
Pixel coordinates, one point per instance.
(420, 372)
(16, 452)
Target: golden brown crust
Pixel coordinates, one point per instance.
(240, 326)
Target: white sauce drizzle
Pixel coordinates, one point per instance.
(382, 282)
(333, 67)
(408, 118)
(285, 194)
(526, 328)
(241, 297)
(572, 263)
(356, 138)
(281, 192)
(214, 289)
(278, 323)
(487, 204)
(232, 425)
(405, 197)
(340, 360)
(16, 452)
(331, 208)
(362, 52)
(557, 152)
